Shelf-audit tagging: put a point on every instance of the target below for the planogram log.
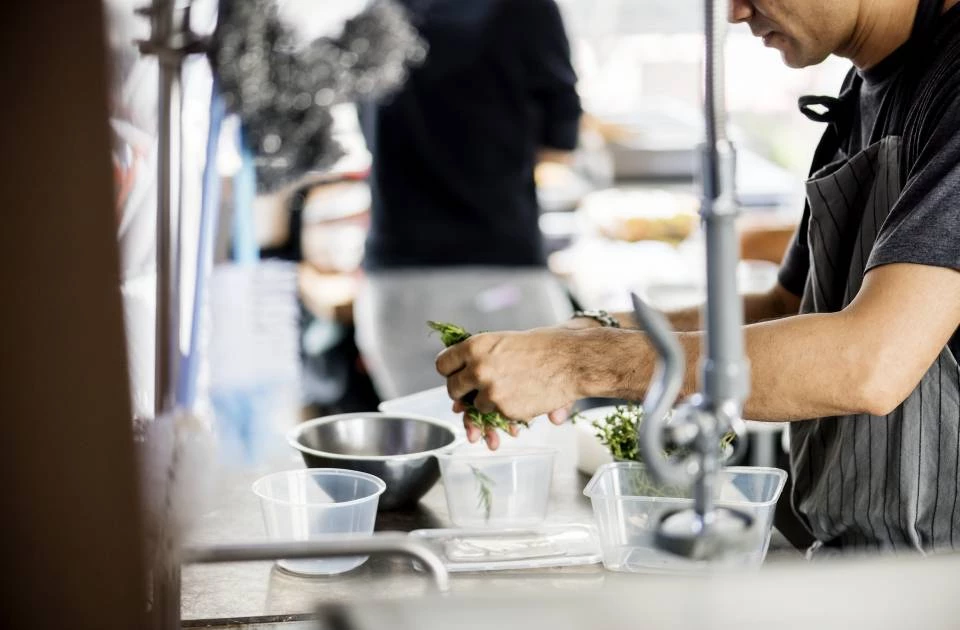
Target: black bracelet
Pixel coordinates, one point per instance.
(604, 318)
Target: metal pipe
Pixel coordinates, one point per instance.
(724, 368)
(168, 291)
(705, 531)
(169, 39)
(168, 172)
(166, 579)
(381, 544)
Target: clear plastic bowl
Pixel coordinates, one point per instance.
(627, 507)
(507, 488)
(316, 503)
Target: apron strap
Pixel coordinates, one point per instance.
(829, 103)
(839, 111)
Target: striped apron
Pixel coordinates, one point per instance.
(864, 482)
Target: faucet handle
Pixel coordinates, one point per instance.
(663, 392)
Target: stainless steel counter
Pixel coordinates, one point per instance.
(258, 592)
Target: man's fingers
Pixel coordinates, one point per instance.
(514, 430)
(559, 416)
(483, 404)
(461, 384)
(493, 440)
(452, 360)
(473, 433)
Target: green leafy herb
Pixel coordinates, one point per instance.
(618, 432)
(451, 334)
(484, 492)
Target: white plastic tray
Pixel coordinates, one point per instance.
(502, 550)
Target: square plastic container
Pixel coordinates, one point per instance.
(316, 503)
(503, 550)
(628, 505)
(507, 488)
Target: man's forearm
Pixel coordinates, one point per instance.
(801, 367)
(756, 308)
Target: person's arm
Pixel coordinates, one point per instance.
(864, 359)
(758, 307)
(551, 78)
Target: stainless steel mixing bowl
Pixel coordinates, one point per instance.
(397, 448)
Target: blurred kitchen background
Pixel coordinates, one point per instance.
(618, 214)
(619, 217)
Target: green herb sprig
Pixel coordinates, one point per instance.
(450, 335)
(484, 492)
(618, 432)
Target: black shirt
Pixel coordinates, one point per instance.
(913, 94)
(454, 151)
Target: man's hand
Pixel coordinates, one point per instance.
(557, 416)
(519, 374)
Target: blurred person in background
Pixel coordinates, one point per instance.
(455, 230)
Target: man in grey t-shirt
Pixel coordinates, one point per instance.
(858, 344)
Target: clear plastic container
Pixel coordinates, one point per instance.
(628, 505)
(507, 488)
(315, 503)
(502, 550)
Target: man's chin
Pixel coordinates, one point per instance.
(797, 59)
(792, 62)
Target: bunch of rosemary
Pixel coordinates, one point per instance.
(618, 432)
(451, 334)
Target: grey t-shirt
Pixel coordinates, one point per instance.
(891, 100)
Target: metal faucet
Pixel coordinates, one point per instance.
(334, 546)
(706, 531)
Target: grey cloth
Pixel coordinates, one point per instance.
(886, 189)
(393, 308)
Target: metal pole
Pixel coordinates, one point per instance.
(705, 531)
(380, 544)
(168, 180)
(170, 41)
(724, 368)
